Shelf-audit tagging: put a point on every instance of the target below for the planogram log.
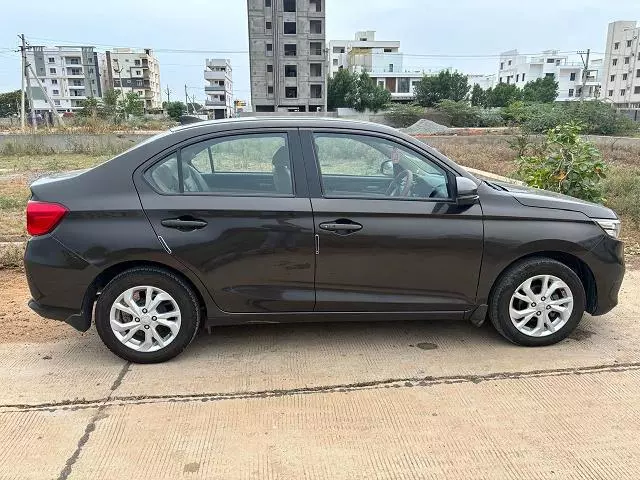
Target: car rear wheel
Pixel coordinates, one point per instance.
(147, 315)
(537, 302)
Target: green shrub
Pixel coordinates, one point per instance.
(566, 164)
(622, 190)
(403, 115)
(460, 114)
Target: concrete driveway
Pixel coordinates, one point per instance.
(387, 400)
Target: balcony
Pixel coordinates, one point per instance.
(215, 103)
(76, 87)
(215, 75)
(214, 88)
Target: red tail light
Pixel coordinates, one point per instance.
(42, 217)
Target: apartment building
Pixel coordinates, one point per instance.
(365, 53)
(218, 87)
(519, 69)
(621, 78)
(287, 55)
(68, 74)
(130, 70)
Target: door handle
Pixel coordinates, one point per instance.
(341, 227)
(182, 224)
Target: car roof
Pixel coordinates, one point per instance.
(284, 121)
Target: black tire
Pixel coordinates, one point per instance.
(156, 277)
(510, 280)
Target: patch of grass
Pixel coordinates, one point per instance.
(48, 163)
(11, 256)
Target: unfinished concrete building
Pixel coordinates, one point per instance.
(287, 55)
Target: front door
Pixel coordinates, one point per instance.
(390, 237)
(235, 210)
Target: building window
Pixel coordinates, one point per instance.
(403, 85)
(624, 76)
(269, 49)
(138, 83)
(501, 65)
(56, 102)
(629, 43)
(269, 68)
(315, 48)
(289, 5)
(626, 60)
(612, 78)
(551, 60)
(56, 92)
(290, 71)
(571, 92)
(572, 77)
(523, 77)
(316, 5)
(52, 60)
(270, 90)
(315, 27)
(549, 75)
(315, 69)
(315, 91)
(615, 62)
(54, 81)
(623, 92)
(291, 92)
(616, 45)
(509, 63)
(289, 28)
(391, 67)
(267, 3)
(335, 61)
(136, 63)
(636, 90)
(267, 25)
(290, 49)
(387, 50)
(52, 71)
(638, 73)
(500, 80)
(611, 93)
(517, 77)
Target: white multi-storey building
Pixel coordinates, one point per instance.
(519, 69)
(218, 86)
(68, 74)
(129, 70)
(621, 79)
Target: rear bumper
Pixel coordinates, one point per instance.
(77, 320)
(607, 264)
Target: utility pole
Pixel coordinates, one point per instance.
(186, 98)
(32, 115)
(168, 94)
(119, 72)
(48, 98)
(327, 73)
(585, 71)
(23, 54)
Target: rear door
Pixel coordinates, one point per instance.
(234, 208)
(383, 246)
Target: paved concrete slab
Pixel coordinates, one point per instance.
(37, 444)
(567, 426)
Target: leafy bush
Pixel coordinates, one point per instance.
(490, 117)
(566, 164)
(463, 114)
(404, 115)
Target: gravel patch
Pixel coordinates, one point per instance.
(426, 127)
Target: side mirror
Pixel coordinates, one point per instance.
(386, 168)
(467, 191)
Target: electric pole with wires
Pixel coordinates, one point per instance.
(584, 55)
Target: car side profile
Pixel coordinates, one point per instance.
(307, 219)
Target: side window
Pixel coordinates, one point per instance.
(235, 165)
(370, 167)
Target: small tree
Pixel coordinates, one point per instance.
(175, 110)
(133, 104)
(90, 108)
(478, 96)
(541, 90)
(402, 115)
(566, 164)
(431, 90)
(10, 103)
(110, 100)
(340, 87)
(502, 95)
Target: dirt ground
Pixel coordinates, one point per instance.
(387, 400)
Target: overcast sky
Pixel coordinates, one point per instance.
(452, 28)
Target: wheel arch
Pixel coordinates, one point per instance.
(580, 268)
(109, 273)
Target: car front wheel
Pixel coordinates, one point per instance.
(537, 302)
(147, 315)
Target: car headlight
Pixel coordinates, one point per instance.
(612, 227)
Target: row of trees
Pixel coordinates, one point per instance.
(113, 105)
